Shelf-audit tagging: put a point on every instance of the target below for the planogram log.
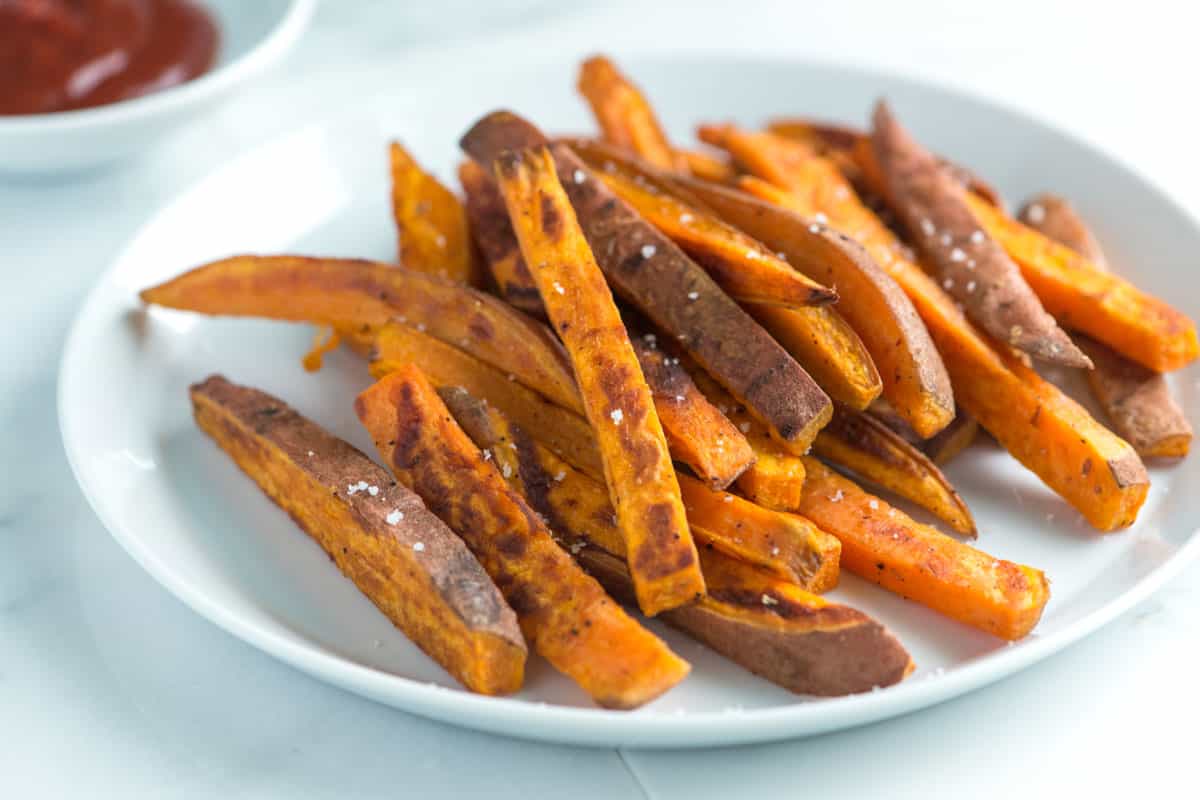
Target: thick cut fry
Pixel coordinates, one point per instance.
(914, 379)
(883, 545)
(971, 264)
(747, 271)
(1091, 468)
(771, 627)
(863, 444)
(400, 555)
(496, 241)
(786, 545)
(361, 296)
(828, 349)
(1136, 400)
(776, 477)
(697, 433)
(565, 431)
(430, 221)
(1107, 308)
(616, 399)
(649, 271)
(625, 116)
(562, 611)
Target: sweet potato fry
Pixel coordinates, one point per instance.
(402, 557)
(771, 627)
(697, 433)
(776, 477)
(747, 271)
(565, 431)
(431, 223)
(786, 545)
(883, 545)
(874, 452)
(1136, 400)
(649, 271)
(625, 116)
(496, 241)
(971, 264)
(951, 440)
(562, 611)
(616, 399)
(1043, 429)
(707, 166)
(361, 296)
(1107, 308)
(914, 379)
(828, 349)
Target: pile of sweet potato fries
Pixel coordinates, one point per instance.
(615, 371)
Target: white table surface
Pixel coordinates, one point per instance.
(110, 687)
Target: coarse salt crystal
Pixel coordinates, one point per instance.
(560, 475)
(947, 239)
(419, 547)
(948, 284)
(487, 455)
(373, 491)
(648, 250)
(782, 256)
(774, 551)
(651, 338)
(679, 398)
(752, 255)
(744, 427)
(970, 286)
(558, 288)
(506, 470)
(421, 327)
(815, 228)
(355, 488)
(1036, 213)
(977, 237)
(958, 255)
(441, 240)
(874, 504)
(617, 415)
(821, 218)
(579, 176)
(927, 227)
(727, 498)
(693, 295)
(837, 496)
(685, 218)
(394, 517)
(311, 454)
(576, 547)
(767, 600)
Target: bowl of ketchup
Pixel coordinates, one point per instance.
(88, 82)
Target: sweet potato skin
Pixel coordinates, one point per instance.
(863, 444)
(1007, 398)
(617, 401)
(564, 430)
(625, 116)
(1107, 308)
(438, 596)
(496, 241)
(648, 270)
(971, 265)
(884, 546)
(771, 627)
(1136, 400)
(913, 376)
(562, 611)
(361, 296)
(431, 222)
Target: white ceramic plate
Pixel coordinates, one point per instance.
(190, 518)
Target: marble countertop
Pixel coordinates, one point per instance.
(111, 687)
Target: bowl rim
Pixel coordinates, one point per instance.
(268, 50)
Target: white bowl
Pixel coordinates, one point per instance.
(252, 37)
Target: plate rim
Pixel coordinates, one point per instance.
(594, 726)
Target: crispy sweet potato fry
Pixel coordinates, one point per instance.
(1092, 469)
(431, 223)
(914, 378)
(399, 554)
(697, 433)
(771, 627)
(828, 349)
(776, 477)
(863, 444)
(786, 545)
(1136, 400)
(361, 296)
(972, 265)
(616, 399)
(625, 116)
(562, 611)
(649, 271)
(747, 271)
(1107, 308)
(565, 431)
(883, 545)
(496, 241)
